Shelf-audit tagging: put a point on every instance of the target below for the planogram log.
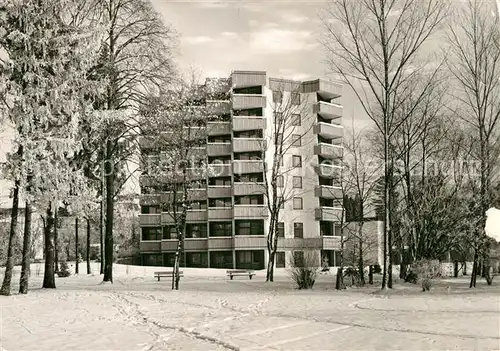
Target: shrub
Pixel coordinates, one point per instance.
(64, 270)
(411, 277)
(427, 270)
(353, 274)
(303, 269)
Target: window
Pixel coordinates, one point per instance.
(169, 232)
(243, 227)
(249, 200)
(221, 229)
(297, 161)
(326, 228)
(151, 233)
(281, 229)
(221, 181)
(277, 97)
(296, 142)
(249, 178)
(221, 202)
(296, 120)
(280, 260)
(196, 230)
(295, 98)
(297, 203)
(298, 230)
(244, 256)
(150, 209)
(280, 182)
(297, 182)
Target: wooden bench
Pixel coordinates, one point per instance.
(240, 272)
(167, 274)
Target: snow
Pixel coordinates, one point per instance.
(492, 227)
(210, 312)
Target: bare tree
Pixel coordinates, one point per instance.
(474, 39)
(291, 127)
(377, 48)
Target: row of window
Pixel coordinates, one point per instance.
(242, 227)
(278, 97)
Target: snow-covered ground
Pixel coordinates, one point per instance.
(210, 312)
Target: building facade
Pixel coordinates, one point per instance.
(229, 225)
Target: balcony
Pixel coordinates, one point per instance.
(218, 128)
(299, 243)
(250, 211)
(219, 107)
(194, 194)
(220, 213)
(197, 152)
(329, 150)
(218, 149)
(169, 245)
(248, 166)
(219, 170)
(195, 244)
(249, 144)
(191, 216)
(248, 188)
(221, 243)
(331, 242)
(149, 219)
(149, 200)
(248, 123)
(220, 191)
(327, 90)
(248, 101)
(328, 214)
(329, 171)
(328, 192)
(328, 110)
(250, 242)
(150, 246)
(329, 131)
(242, 79)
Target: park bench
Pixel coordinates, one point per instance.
(240, 272)
(167, 274)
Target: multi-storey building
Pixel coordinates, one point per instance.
(228, 227)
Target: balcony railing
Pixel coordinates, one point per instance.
(198, 244)
(250, 211)
(220, 213)
(248, 188)
(328, 110)
(250, 242)
(329, 131)
(248, 101)
(149, 219)
(149, 199)
(249, 144)
(191, 216)
(326, 89)
(169, 245)
(248, 166)
(221, 243)
(248, 123)
(328, 192)
(331, 242)
(218, 149)
(328, 214)
(219, 128)
(329, 150)
(329, 171)
(150, 246)
(241, 79)
(218, 107)
(220, 191)
(219, 170)
(299, 243)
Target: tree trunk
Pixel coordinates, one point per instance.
(270, 248)
(56, 241)
(12, 235)
(455, 269)
(370, 275)
(25, 265)
(77, 260)
(474, 271)
(108, 243)
(48, 277)
(361, 264)
(175, 275)
(101, 235)
(88, 246)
